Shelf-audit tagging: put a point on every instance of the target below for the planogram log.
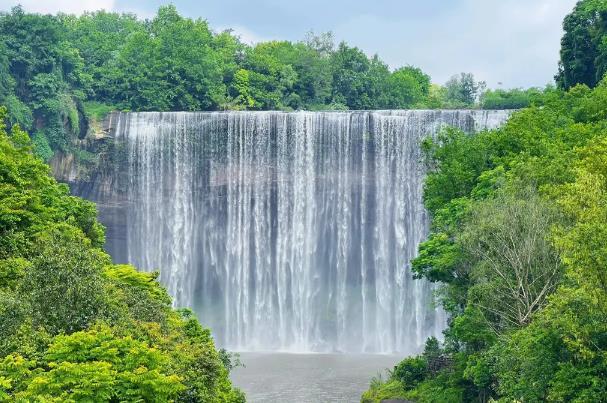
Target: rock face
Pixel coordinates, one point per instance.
(65, 167)
(98, 180)
(284, 231)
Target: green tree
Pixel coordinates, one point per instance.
(171, 66)
(517, 246)
(583, 47)
(514, 268)
(463, 90)
(516, 98)
(359, 82)
(409, 86)
(95, 365)
(65, 286)
(45, 69)
(270, 78)
(99, 37)
(560, 356)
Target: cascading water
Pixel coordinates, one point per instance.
(288, 231)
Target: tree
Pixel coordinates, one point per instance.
(359, 82)
(411, 371)
(514, 266)
(583, 48)
(45, 68)
(323, 44)
(409, 87)
(517, 245)
(99, 36)
(94, 365)
(516, 98)
(271, 78)
(171, 66)
(560, 356)
(462, 90)
(65, 286)
(6, 81)
(59, 74)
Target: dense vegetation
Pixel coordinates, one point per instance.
(75, 327)
(60, 74)
(584, 45)
(518, 248)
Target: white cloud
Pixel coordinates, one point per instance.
(246, 35)
(55, 6)
(512, 41)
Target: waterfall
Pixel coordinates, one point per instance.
(287, 231)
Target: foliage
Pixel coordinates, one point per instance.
(517, 246)
(358, 82)
(516, 98)
(584, 45)
(408, 87)
(410, 372)
(381, 390)
(96, 110)
(463, 90)
(46, 81)
(513, 266)
(561, 356)
(64, 286)
(41, 146)
(75, 327)
(95, 365)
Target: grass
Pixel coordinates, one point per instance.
(97, 111)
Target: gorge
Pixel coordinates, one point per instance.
(282, 231)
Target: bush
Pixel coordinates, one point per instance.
(410, 372)
(97, 110)
(380, 390)
(42, 147)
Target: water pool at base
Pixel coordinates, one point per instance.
(308, 378)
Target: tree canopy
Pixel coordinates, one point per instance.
(584, 45)
(74, 326)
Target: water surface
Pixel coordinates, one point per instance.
(307, 378)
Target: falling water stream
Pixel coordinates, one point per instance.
(288, 231)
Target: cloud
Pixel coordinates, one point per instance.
(64, 6)
(514, 41)
(246, 35)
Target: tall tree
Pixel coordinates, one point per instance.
(583, 47)
(409, 86)
(99, 37)
(171, 66)
(463, 90)
(358, 82)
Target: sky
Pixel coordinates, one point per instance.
(507, 43)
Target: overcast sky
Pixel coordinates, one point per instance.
(515, 42)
